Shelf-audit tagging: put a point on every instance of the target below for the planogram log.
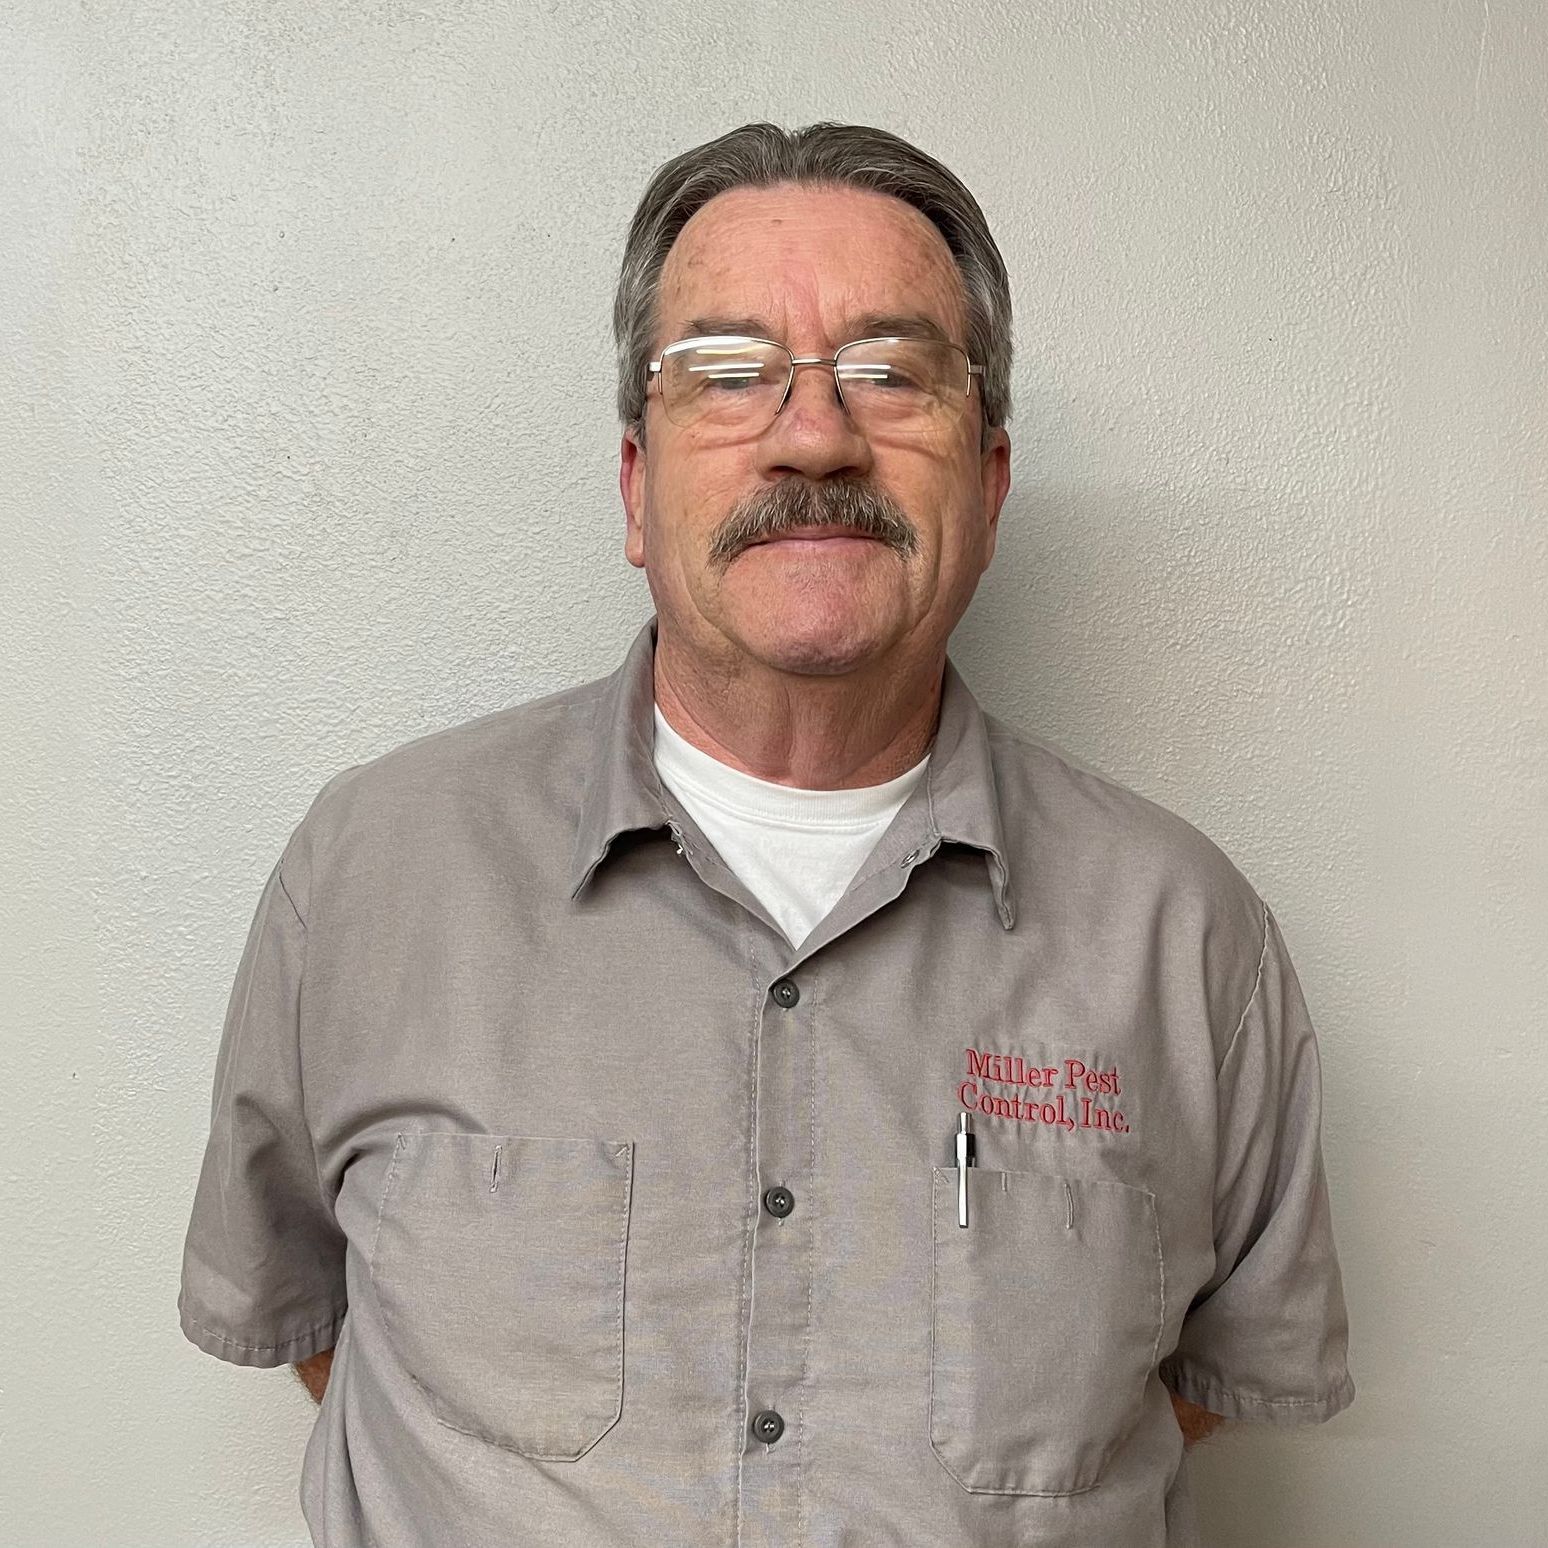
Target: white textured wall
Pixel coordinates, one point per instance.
(306, 448)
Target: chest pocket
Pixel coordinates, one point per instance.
(498, 1265)
(1046, 1317)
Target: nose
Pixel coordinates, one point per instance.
(812, 433)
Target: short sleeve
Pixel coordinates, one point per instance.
(1267, 1337)
(263, 1261)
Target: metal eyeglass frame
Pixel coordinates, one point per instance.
(653, 370)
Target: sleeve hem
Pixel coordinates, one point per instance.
(239, 1351)
(1220, 1400)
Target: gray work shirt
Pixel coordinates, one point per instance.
(634, 1224)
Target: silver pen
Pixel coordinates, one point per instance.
(965, 1159)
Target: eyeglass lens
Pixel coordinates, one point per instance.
(905, 385)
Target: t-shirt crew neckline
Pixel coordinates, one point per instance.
(744, 795)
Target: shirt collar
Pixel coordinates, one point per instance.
(623, 792)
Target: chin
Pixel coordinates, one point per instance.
(811, 659)
(814, 647)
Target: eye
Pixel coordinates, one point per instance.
(880, 373)
(729, 376)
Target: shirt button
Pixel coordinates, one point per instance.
(767, 1425)
(784, 993)
(779, 1201)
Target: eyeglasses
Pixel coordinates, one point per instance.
(887, 386)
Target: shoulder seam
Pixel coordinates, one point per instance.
(1257, 981)
(317, 1175)
(280, 872)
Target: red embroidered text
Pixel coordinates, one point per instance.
(1066, 1095)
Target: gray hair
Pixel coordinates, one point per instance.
(762, 155)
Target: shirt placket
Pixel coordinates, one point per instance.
(777, 1302)
(777, 1308)
(776, 1297)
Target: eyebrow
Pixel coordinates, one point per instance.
(869, 325)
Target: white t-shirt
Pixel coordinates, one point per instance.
(795, 850)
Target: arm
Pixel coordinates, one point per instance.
(1196, 1423)
(314, 1375)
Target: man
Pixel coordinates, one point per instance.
(758, 1098)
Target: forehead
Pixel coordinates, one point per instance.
(809, 261)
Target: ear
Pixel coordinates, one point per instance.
(994, 475)
(631, 485)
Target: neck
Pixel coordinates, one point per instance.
(840, 732)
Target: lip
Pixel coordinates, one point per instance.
(816, 535)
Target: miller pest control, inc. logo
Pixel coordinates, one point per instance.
(1069, 1095)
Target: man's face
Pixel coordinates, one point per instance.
(811, 269)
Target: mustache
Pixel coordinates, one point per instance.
(794, 503)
